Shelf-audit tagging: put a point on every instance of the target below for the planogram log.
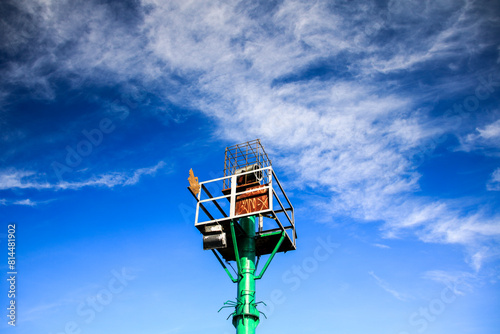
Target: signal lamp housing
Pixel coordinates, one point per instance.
(249, 177)
(214, 241)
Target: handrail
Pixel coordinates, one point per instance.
(282, 190)
(282, 207)
(201, 205)
(215, 201)
(273, 192)
(229, 195)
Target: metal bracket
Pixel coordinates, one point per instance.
(224, 266)
(268, 262)
(235, 246)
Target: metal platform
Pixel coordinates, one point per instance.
(275, 211)
(264, 243)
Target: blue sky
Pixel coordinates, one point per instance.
(381, 118)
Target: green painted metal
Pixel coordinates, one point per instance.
(268, 262)
(225, 268)
(270, 233)
(246, 315)
(235, 245)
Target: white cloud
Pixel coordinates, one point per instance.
(27, 202)
(442, 223)
(491, 131)
(384, 285)
(459, 281)
(459, 31)
(494, 182)
(224, 41)
(352, 134)
(483, 138)
(478, 258)
(382, 246)
(113, 179)
(12, 179)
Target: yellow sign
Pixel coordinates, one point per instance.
(193, 183)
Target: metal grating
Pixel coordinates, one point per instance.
(242, 155)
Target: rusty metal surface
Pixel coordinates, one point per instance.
(253, 201)
(242, 155)
(194, 186)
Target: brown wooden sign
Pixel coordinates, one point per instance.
(252, 201)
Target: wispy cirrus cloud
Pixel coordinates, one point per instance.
(485, 139)
(14, 179)
(352, 128)
(27, 202)
(459, 281)
(384, 285)
(494, 182)
(381, 246)
(23, 202)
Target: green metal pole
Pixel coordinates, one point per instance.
(246, 316)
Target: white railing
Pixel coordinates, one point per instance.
(275, 205)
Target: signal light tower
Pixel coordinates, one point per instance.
(260, 221)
